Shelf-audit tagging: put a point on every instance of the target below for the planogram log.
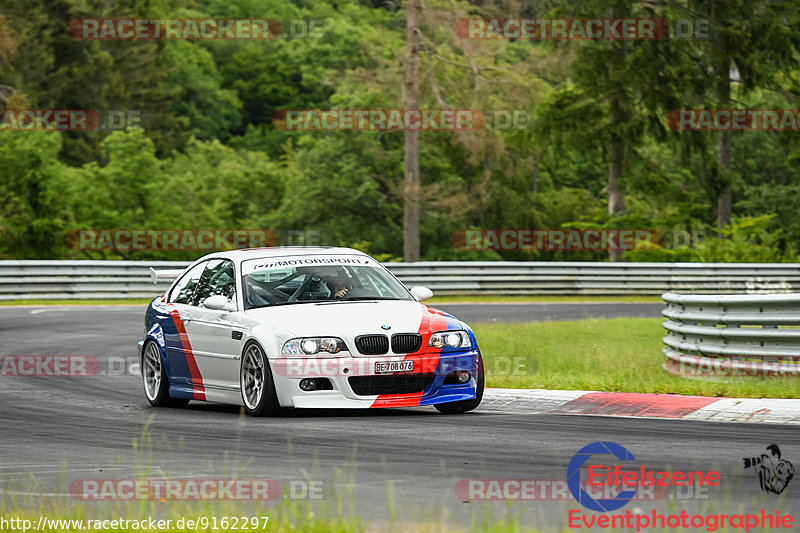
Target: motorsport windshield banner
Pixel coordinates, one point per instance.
(294, 261)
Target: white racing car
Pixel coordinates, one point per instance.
(304, 327)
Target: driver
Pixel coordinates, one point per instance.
(338, 285)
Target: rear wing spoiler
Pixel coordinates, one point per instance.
(160, 275)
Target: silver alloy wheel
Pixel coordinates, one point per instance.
(253, 376)
(152, 371)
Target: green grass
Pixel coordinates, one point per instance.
(619, 354)
(281, 517)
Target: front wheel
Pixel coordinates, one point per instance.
(154, 376)
(258, 389)
(463, 406)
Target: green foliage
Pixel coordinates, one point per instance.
(211, 157)
(212, 112)
(748, 240)
(745, 240)
(31, 193)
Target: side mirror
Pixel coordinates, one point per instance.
(218, 303)
(421, 293)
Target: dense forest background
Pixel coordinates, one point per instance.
(209, 155)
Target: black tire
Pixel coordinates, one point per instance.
(154, 378)
(464, 406)
(254, 369)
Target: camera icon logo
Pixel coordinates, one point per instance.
(774, 472)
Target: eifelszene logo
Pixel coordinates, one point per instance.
(631, 480)
(773, 472)
(574, 476)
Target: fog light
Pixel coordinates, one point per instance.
(308, 384)
(463, 376)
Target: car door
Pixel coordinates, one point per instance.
(181, 366)
(211, 331)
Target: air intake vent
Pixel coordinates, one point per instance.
(406, 342)
(372, 344)
(402, 384)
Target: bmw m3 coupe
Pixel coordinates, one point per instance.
(271, 328)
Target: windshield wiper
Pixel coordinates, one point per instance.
(318, 302)
(363, 298)
(281, 303)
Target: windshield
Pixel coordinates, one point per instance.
(321, 278)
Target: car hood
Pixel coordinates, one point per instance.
(349, 319)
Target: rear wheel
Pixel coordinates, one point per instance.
(258, 389)
(463, 406)
(154, 376)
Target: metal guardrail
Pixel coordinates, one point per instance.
(131, 279)
(732, 335)
(53, 280)
(594, 278)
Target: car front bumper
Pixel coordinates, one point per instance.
(430, 369)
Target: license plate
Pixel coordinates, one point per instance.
(393, 367)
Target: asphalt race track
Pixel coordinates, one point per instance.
(409, 460)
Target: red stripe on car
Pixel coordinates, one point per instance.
(426, 360)
(198, 389)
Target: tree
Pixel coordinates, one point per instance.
(411, 166)
(32, 195)
(751, 46)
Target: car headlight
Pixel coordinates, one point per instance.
(452, 339)
(313, 345)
